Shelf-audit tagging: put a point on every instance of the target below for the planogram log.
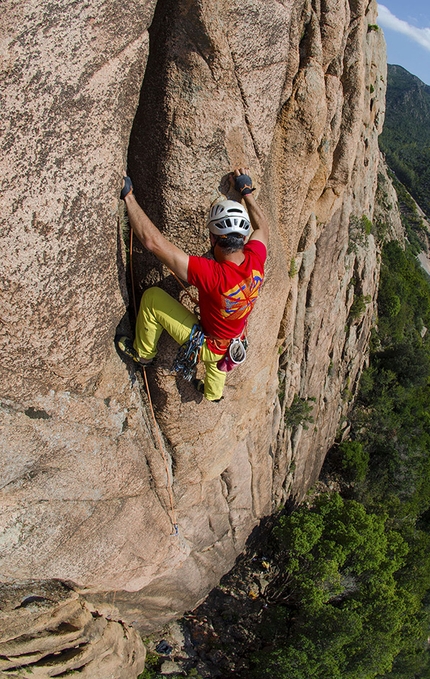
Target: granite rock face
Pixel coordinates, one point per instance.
(49, 631)
(92, 486)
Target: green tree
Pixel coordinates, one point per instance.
(341, 563)
(354, 460)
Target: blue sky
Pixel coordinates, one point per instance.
(406, 27)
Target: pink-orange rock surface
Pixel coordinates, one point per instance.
(183, 91)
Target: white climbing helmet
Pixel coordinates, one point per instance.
(228, 216)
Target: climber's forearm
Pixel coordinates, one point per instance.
(142, 226)
(154, 241)
(258, 220)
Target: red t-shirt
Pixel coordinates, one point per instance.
(227, 291)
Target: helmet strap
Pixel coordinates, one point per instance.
(214, 241)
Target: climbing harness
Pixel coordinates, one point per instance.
(175, 527)
(189, 352)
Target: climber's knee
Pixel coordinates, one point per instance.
(154, 298)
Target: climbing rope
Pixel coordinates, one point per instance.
(194, 300)
(175, 527)
(163, 454)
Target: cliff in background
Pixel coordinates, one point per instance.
(186, 90)
(406, 137)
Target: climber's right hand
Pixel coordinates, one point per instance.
(242, 181)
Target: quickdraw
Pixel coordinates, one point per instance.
(188, 354)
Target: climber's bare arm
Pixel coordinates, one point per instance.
(154, 241)
(258, 219)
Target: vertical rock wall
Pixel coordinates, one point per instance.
(293, 89)
(331, 306)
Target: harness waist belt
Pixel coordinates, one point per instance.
(221, 345)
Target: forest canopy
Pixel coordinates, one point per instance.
(353, 601)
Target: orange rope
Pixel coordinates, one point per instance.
(163, 454)
(193, 299)
(156, 427)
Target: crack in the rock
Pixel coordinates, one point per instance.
(245, 105)
(225, 484)
(166, 454)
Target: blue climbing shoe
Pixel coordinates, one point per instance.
(128, 186)
(125, 346)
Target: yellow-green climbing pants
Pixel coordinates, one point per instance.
(159, 311)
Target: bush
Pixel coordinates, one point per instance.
(293, 268)
(355, 460)
(299, 412)
(358, 306)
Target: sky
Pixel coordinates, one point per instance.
(406, 27)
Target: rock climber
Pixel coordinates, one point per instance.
(228, 284)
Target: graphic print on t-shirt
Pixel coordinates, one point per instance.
(238, 301)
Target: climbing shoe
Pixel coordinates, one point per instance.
(199, 385)
(125, 346)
